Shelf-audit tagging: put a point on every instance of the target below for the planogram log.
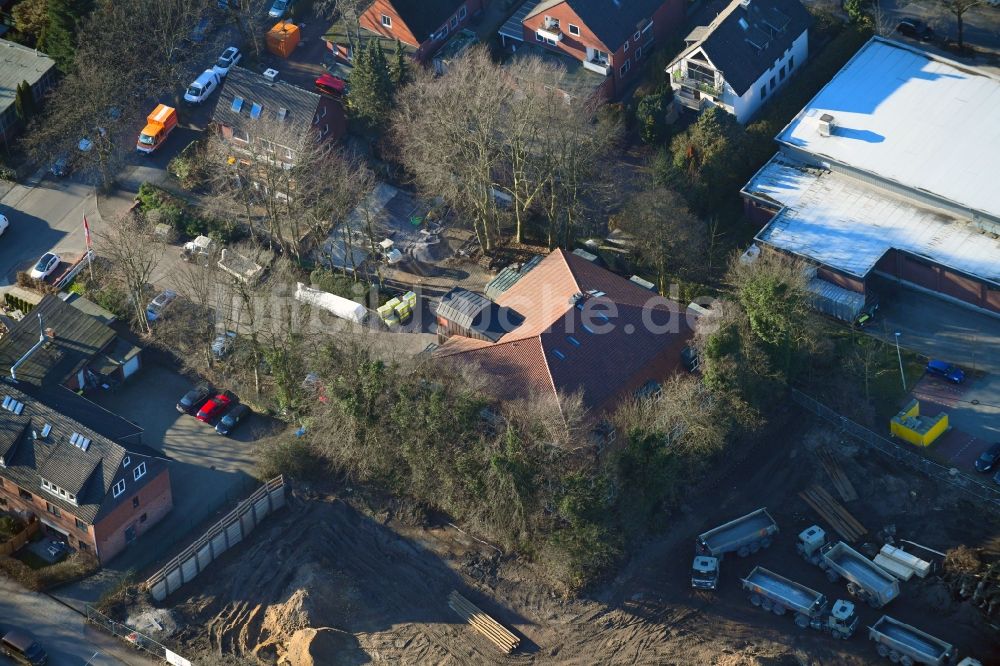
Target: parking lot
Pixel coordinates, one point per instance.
(208, 472)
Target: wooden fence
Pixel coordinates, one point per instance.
(21, 538)
(219, 538)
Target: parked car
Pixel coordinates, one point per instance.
(279, 8)
(21, 647)
(202, 87)
(60, 165)
(946, 370)
(194, 398)
(223, 344)
(229, 58)
(213, 408)
(988, 458)
(4, 223)
(867, 314)
(331, 86)
(915, 29)
(159, 304)
(45, 266)
(231, 419)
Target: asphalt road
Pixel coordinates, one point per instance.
(67, 637)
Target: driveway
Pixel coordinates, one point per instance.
(67, 637)
(208, 473)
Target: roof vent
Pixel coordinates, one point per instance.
(745, 4)
(576, 298)
(282, 112)
(827, 125)
(271, 74)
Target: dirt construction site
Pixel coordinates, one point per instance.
(327, 581)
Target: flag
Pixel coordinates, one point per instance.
(86, 230)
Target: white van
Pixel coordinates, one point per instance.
(203, 86)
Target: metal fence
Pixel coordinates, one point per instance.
(967, 484)
(219, 538)
(138, 639)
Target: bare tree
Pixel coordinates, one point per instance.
(134, 252)
(958, 8)
(244, 15)
(289, 184)
(668, 238)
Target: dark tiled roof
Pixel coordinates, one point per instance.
(253, 88)
(565, 345)
(19, 63)
(423, 17)
(89, 474)
(612, 21)
(734, 50)
(78, 338)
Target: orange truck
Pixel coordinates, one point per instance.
(159, 124)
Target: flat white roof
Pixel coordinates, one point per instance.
(843, 223)
(924, 122)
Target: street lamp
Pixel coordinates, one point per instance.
(902, 375)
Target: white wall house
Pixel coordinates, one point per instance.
(747, 53)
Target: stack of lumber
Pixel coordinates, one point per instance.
(896, 559)
(835, 515)
(837, 476)
(483, 623)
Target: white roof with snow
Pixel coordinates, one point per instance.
(907, 116)
(843, 223)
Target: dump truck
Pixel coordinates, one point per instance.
(159, 124)
(865, 579)
(743, 536)
(779, 595)
(904, 644)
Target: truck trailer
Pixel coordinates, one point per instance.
(743, 536)
(865, 579)
(907, 645)
(778, 594)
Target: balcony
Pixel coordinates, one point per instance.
(598, 66)
(685, 97)
(551, 34)
(697, 84)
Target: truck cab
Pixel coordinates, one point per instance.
(842, 620)
(705, 572)
(159, 124)
(810, 543)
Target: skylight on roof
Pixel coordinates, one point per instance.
(573, 341)
(587, 328)
(559, 355)
(743, 23)
(237, 104)
(255, 110)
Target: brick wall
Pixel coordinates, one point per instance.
(154, 502)
(371, 21)
(38, 505)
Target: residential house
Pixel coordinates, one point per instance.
(609, 38)
(97, 494)
(564, 325)
(742, 57)
(421, 25)
(890, 171)
(260, 116)
(64, 344)
(18, 64)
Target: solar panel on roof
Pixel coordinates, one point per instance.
(237, 104)
(255, 110)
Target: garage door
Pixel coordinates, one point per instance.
(131, 366)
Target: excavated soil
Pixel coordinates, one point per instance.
(325, 582)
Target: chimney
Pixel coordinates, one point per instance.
(827, 125)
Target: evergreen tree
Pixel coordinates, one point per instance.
(399, 68)
(59, 37)
(24, 101)
(370, 86)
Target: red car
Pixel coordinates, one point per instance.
(213, 408)
(330, 85)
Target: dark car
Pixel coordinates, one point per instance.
(60, 165)
(988, 458)
(231, 419)
(915, 29)
(194, 398)
(21, 647)
(946, 370)
(211, 409)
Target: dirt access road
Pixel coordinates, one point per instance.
(382, 586)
